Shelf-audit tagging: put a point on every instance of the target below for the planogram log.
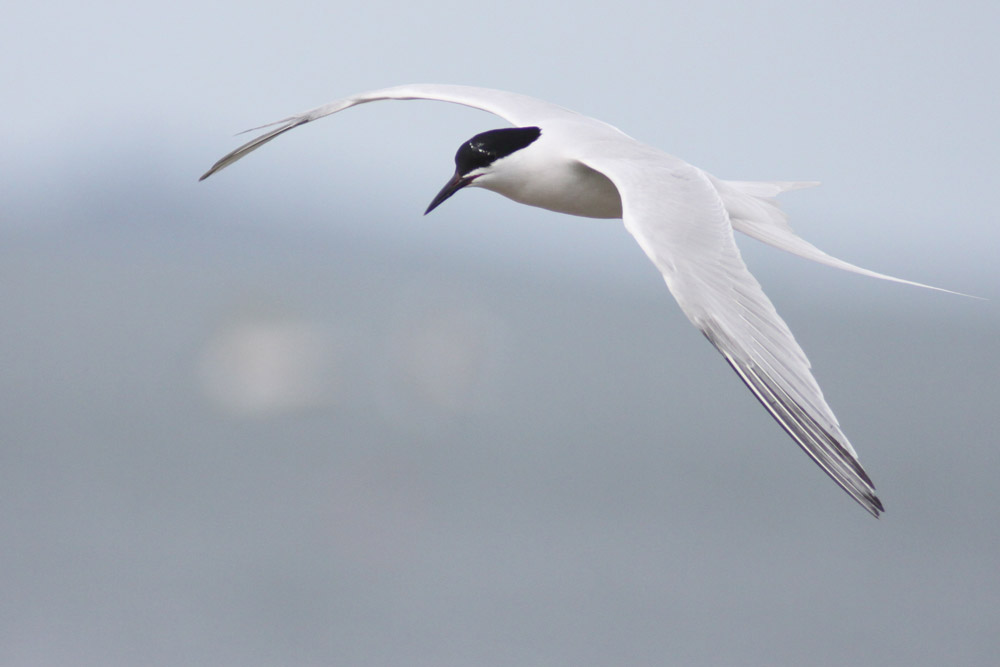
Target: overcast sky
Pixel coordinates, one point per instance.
(892, 105)
(280, 417)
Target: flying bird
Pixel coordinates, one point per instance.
(683, 219)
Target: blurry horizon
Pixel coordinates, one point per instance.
(286, 423)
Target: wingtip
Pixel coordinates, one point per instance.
(825, 445)
(218, 166)
(215, 167)
(874, 505)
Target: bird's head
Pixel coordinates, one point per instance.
(483, 156)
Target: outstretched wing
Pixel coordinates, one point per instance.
(512, 107)
(679, 219)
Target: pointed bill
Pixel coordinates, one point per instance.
(457, 182)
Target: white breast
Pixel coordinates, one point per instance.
(540, 176)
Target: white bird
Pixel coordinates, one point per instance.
(682, 217)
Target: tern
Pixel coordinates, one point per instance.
(683, 219)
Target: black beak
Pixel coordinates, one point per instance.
(457, 182)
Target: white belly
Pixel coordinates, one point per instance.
(568, 187)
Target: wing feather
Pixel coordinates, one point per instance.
(512, 107)
(680, 220)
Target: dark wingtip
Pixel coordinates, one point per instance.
(815, 440)
(224, 162)
(254, 144)
(877, 507)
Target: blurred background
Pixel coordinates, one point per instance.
(279, 417)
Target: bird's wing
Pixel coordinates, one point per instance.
(512, 107)
(679, 219)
